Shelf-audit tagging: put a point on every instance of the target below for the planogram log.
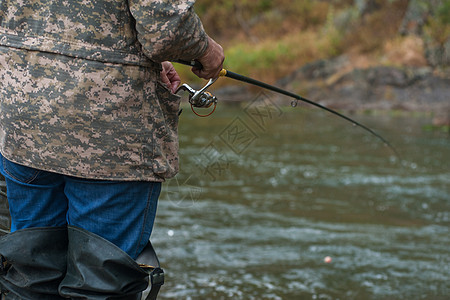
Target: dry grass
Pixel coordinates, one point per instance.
(268, 40)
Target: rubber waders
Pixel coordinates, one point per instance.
(99, 270)
(33, 263)
(72, 263)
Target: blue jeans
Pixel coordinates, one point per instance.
(120, 211)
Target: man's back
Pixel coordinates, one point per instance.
(79, 88)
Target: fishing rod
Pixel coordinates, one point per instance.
(203, 99)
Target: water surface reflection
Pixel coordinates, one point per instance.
(259, 204)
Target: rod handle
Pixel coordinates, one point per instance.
(193, 63)
(196, 64)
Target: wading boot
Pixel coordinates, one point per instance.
(33, 263)
(99, 270)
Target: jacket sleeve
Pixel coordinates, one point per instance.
(168, 30)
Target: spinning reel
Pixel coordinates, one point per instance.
(200, 98)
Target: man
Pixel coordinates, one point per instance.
(88, 131)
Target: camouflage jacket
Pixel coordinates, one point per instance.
(80, 90)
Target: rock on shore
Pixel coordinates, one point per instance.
(379, 87)
(335, 84)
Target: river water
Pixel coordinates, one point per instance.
(265, 193)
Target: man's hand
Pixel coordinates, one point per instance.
(212, 61)
(170, 76)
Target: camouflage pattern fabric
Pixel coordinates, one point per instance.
(80, 90)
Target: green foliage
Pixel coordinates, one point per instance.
(438, 25)
(265, 5)
(333, 35)
(243, 57)
(443, 13)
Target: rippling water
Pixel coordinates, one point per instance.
(265, 194)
